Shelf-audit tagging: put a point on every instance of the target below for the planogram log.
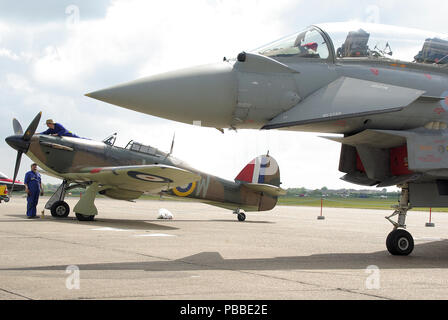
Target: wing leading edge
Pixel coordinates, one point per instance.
(144, 178)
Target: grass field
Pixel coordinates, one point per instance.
(360, 203)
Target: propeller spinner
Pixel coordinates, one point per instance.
(21, 141)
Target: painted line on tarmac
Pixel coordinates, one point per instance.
(110, 229)
(155, 235)
(428, 239)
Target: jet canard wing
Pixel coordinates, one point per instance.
(346, 98)
(142, 178)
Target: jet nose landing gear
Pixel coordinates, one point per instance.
(400, 242)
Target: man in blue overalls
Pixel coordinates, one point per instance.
(33, 187)
(56, 129)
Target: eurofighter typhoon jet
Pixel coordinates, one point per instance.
(384, 89)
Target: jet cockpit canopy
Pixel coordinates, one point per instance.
(357, 40)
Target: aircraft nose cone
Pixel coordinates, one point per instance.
(16, 142)
(204, 93)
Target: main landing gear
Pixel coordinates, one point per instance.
(57, 206)
(85, 209)
(399, 242)
(240, 213)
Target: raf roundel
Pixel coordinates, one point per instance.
(148, 177)
(185, 191)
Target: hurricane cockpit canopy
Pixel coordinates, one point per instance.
(146, 149)
(355, 40)
(139, 147)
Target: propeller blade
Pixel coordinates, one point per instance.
(32, 127)
(16, 169)
(17, 127)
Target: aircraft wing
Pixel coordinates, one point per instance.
(18, 186)
(346, 98)
(144, 178)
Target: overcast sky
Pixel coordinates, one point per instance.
(53, 52)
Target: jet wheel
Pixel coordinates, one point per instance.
(400, 242)
(82, 217)
(241, 216)
(60, 209)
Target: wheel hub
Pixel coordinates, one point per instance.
(60, 210)
(403, 244)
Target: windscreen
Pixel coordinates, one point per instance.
(308, 43)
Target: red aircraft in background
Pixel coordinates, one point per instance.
(18, 185)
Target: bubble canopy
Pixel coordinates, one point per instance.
(349, 40)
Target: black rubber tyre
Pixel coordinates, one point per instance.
(60, 209)
(241, 216)
(6, 199)
(82, 217)
(400, 242)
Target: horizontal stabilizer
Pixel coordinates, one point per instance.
(346, 98)
(266, 188)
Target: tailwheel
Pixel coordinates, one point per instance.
(400, 242)
(83, 217)
(60, 209)
(241, 216)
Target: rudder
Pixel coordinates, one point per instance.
(262, 170)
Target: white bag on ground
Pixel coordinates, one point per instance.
(164, 214)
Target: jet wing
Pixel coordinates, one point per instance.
(144, 178)
(346, 98)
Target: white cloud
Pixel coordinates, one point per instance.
(8, 54)
(18, 83)
(158, 35)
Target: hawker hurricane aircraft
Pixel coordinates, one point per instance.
(383, 88)
(127, 173)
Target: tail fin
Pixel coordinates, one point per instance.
(261, 170)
